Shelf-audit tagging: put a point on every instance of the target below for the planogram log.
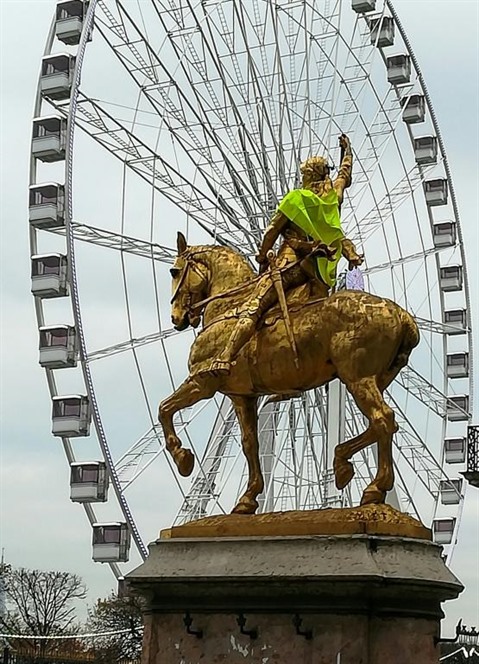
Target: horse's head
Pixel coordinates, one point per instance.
(190, 283)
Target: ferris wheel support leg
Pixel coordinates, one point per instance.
(189, 392)
(247, 413)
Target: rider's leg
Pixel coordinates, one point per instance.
(243, 331)
(262, 299)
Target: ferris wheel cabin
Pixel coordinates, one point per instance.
(435, 192)
(451, 278)
(49, 275)
(443, 530)
(457, 408)
(49, 138)
(111, 542)
(414, 109)
(57, 76)
(58, 347)
(70, 15)
(425, 149)
(450, 491)
(71, 416)
(456, 321)
(458, 365)
(382, 31)
(444, 234)
(363, 6)
(398, 69)
(88, 482)
(455, 450)
(47, 205)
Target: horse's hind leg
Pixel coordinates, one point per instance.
(382, 426)
(246, 412)
(189, 392)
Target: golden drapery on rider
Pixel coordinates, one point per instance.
(312, 243)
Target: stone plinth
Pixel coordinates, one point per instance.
(366, 599)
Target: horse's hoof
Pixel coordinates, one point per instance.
(247, 506)
(185, 461)
(343, 472)
(373, 496)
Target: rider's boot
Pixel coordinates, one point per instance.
(242, 333)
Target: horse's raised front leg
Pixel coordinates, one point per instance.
(343, 468)
(189, 392)
(382, 426)
(247, 414)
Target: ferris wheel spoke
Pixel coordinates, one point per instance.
(436, 326)
(103, 237)
(417, 454)
(397, 195)
(398, 262)
(405, 495)
(260, 114)
(183, 121)
(201, 205)
(137, 459)
(415, 384)
(130, 344)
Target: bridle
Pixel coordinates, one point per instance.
(189, 264)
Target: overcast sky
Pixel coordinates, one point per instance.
(40, 527)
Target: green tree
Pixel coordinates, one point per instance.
(117, 614)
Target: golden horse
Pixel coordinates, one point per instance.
(357, 337)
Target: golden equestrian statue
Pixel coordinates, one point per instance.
(260, 338)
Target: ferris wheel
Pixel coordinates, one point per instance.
(158, 116)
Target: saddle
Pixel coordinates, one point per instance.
(296, 298)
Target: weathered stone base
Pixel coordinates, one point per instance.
(368, 600)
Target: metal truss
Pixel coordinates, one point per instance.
(427, 393)
(137, 459)
(435, 326)
(130, 344)
(106, 238)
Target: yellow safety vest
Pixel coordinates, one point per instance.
(318, 217)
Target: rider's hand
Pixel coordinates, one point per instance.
(344, 141)
(356, 261)
(263, 262)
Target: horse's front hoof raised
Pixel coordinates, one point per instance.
(343, 472)
(185, 461)
(373, 496)
(245, 506)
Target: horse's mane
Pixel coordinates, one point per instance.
(219, 250)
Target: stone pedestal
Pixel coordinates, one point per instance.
(308, 599)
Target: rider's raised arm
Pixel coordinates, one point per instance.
(276, 225)
(343, 181)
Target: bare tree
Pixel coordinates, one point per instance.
(41, 603)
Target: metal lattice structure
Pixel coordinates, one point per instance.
(195, 116)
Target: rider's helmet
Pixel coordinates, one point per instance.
(314, 169)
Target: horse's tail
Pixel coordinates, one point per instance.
(410, 339)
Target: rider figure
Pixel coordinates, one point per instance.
(307, 219)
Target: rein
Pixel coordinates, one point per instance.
(189, 264)
(237, 289)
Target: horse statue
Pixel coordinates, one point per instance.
(362, 339)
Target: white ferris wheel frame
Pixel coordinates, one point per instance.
(412, 381)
